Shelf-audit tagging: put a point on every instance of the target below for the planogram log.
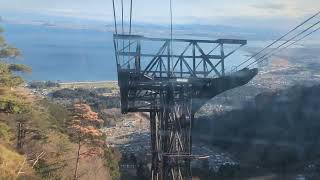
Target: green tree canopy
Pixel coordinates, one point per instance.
(8, 78)
(9, 101)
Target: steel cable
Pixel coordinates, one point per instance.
(317, 29)
(274, 50)
(301, 24)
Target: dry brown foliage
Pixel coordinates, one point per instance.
(85, 123)
(85, 129)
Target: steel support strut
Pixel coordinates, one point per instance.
(171, 136)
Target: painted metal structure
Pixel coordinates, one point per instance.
(171, 83)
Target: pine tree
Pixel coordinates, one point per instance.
(9, 102)
(7, 69)
(84, 129)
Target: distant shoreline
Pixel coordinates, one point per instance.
(89, 84)
(86, 82)
(77, 84)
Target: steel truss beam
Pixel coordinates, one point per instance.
(192, 61)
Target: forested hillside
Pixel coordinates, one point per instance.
(40, 139)
(278, 131)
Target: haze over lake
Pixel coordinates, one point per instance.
(66, 54)
(63, 54)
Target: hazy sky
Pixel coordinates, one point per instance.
(270, 12)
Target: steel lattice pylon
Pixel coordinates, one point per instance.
(172, 86)
(171, 134)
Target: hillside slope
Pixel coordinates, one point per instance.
(280, 130)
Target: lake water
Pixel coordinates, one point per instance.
(69, 54)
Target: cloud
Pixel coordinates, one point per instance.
(270, 6)
(271, 13)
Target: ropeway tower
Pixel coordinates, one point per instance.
(171, 79)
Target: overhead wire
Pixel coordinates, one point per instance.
(114, 18)
(130, 30)
(130, 17)
(274, 42)
(171, 35)
(116, 44)
(317, 29)
(294, 42)
(281, 45)
(270, 53)
(122, 14)
(171, 20)
(122, 30)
